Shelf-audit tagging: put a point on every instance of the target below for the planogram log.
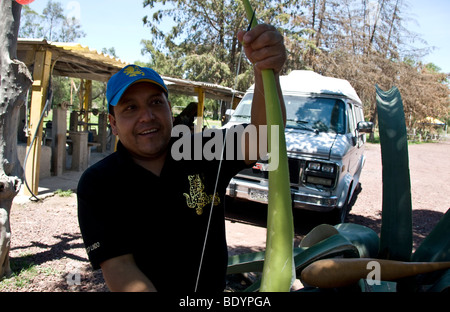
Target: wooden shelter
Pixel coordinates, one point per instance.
(45, 58)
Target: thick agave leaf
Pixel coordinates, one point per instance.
(280, 224)
(436, 246)
(318, 234)
(365, 239)
(379, 286)
(442, 284)
(336, 245)
(396, 224)
(250, 262)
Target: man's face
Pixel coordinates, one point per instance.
(143, 121)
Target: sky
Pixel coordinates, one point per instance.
(118, 24)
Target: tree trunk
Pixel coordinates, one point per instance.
(391, 27)
(321, 21)
(15, 80)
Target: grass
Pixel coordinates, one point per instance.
(62, 193)
(376, 140)
(210, 123)
(24, 270)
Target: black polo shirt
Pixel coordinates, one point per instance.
(125, 209)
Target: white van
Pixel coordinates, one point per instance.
(325, 136)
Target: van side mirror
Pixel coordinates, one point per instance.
(365, 127)
(229, 112)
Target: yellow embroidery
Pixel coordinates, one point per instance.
(197, 198)
(133, 71)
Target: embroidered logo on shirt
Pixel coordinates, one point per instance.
(133, 71)
(92, 247)
(197, 198)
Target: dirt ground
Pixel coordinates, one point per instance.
(47, 253)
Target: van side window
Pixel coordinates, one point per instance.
(351, 119)
(359, 114)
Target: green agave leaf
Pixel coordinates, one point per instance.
(365, 239)
(278, 271)
(381, 286)
(442, 284)
(318, 234)
(336, 245)
(396, 225)
(436, 246)
(250, 262)
(327, 248)
(253, 287)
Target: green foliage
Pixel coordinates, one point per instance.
(202, 45)
(24, 271)
(52, 24)
(357, 241)
(62, 193)
(436, 246)
(61, 90)
(363, 44)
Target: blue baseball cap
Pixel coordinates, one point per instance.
(127, 76)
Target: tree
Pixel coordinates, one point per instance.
(53, 24)
(15, 81)
(200, 40)
(53, 15)
(366, 43)
(31, 26)
(363, 41)
(202, 44)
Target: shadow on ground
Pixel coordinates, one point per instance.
(255, 214)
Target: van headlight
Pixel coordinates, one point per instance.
(320, 173)
(328, 168)
(314, 166)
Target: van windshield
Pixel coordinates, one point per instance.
(243, 110)
(316, 114)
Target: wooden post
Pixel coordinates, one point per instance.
(80, 153)
(200, 108)
(41, 77)
(59, 133)
(87, 99)
(73, 124)
(102, 131)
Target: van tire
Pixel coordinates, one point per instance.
(339, 215)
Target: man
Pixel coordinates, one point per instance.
(144, 215)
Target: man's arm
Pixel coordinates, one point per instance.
(264, 47)
(122, 274)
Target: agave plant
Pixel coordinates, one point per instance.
(347, 248)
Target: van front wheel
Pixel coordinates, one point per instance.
(339, 215)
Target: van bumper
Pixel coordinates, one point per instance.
(258, 192)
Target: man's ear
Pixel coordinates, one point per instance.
(112, 122)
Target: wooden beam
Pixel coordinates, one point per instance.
(41, 77)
